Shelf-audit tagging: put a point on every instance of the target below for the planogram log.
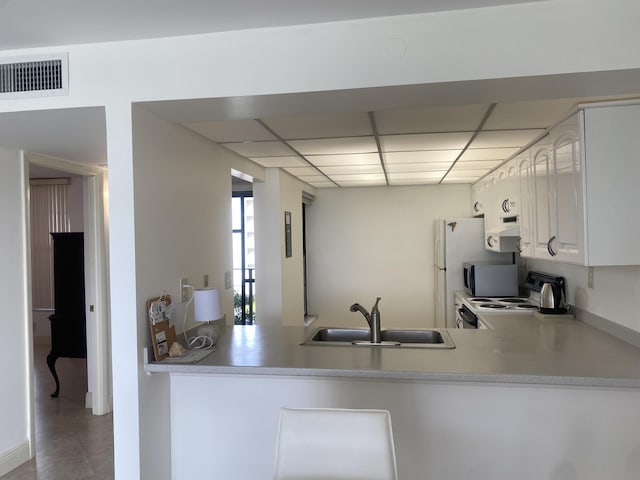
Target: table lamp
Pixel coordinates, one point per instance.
(207, 307)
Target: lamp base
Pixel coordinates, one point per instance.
(209, 330)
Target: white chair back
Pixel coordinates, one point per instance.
(329, 443)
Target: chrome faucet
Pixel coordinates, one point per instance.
(373, 319)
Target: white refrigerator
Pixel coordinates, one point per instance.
(457, 240)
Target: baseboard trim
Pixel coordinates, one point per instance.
(14, 457)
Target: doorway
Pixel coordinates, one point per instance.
(89, 218)
(244, 258)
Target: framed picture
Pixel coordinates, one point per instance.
(287, 234)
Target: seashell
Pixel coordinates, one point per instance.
(177, 350)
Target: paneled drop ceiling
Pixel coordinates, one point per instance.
(448, 144)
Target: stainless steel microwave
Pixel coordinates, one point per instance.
(487, 279)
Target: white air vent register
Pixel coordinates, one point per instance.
(34, 76)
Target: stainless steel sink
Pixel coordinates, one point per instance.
(414, 338)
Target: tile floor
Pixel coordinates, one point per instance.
(71, 443)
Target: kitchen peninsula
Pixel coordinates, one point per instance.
(527, 398)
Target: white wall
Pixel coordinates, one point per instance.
(506, 42)
(370, 242)
(183, 229)
(403, 50)
(441, 430)
(16, 353)
(279, 280)
(615, 294)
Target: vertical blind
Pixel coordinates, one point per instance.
(49, 213)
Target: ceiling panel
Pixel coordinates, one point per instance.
(418, 167)
(426, 141)
(466, 173)
(238, 131)
(457, 118)
(321, 126)
(313, 178)
(331, 146)
(416, 175)
(351, 159)
(422, 156)
(343, 177)
(477, 165)
(352, 169)
(293, 161)
(417, 145)
(299, 171)
(414, 181)
(362, 183)
(260, 149)
(487, 153)
(534, 114)
(322, 184)
(505, 138)
(461, 180)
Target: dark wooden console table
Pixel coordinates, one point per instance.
(68, 323)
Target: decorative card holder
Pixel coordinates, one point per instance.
(163, 334)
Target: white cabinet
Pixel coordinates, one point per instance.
(507, 198)
(478, 198)
(578, 186)
(566, 209)
(611, 169)
(501, 217)
(527, 203)
(553, 184)
(551, 190)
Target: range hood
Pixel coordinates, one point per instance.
(504, 239)
(507, 231)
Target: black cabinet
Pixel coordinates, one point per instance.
(68, 323)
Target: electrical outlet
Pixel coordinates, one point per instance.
(183, 291)
(205, 281)
(590, 277)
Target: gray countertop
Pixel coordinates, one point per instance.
(519, 348)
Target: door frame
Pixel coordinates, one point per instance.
(99, 396)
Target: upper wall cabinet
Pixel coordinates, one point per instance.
(502, 226)
(578, 188)
(479, 192)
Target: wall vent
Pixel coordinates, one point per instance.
(22, 77)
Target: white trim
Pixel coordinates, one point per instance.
(15, 457)
(96, 287)
(63, 165)
(28, 315)
(49, 181)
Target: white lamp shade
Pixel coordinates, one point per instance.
(207, 305)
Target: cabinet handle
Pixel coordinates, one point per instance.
(550, 248)
(505, 205)
(518, 245)
(491, 241)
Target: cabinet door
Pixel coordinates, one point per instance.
(491, 194)
(508, 190)
(541, 162)
(567, 212)
(527, 203)
(478, 193)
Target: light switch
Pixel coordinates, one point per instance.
(228, 280)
